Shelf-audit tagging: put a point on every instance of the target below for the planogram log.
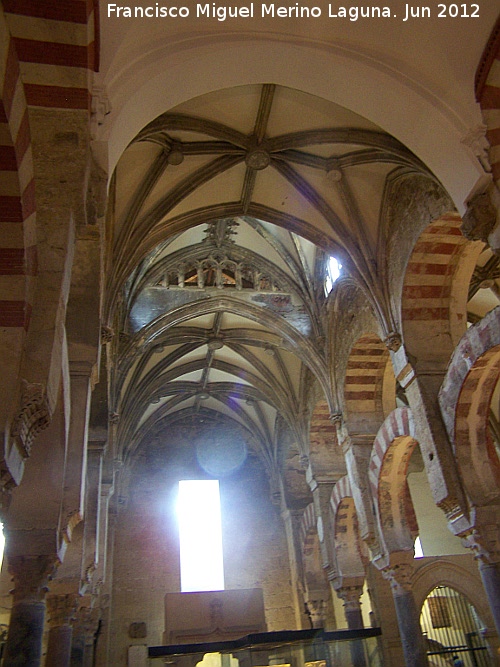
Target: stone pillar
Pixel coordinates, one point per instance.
(61, 610)
(484, 540)
(490, 574)
(351, 596)
(91, 531)
(321, 489)
(76, 455)
(85, 627)
(31, 575)
(399, 575)
(291, 520)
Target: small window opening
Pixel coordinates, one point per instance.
(418, 552)
(200, 536)
(333, 268)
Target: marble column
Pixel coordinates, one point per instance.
(490, 574)
(484, 540)
(31, 575)
(399, 576)
(351, 596)
(61, 611)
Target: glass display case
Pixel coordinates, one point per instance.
(294, 648)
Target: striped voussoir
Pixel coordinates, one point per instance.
(18, 254)
(56, 47)
(365, 375)
(391, 453)
(398, 424)
(475, 343)
(341, 490)
(428, 280)
(321, 431)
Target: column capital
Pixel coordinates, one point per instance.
(351, 596)
(31, 576)
(61, 608)
(316, 610)
(86, 622)
(399, 576)
(484, 541)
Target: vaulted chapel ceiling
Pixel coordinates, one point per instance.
(224, 212)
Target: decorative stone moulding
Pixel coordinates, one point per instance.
(480, 218)
(215, 344)
(33, 417)
(107, 334)
(258, 159)
(336, 418)
(393, 341)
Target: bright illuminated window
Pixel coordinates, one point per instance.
(332, 273)
(200, 534)
(418, 551)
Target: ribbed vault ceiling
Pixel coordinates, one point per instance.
(224, 211)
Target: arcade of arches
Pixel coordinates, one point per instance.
(171, 193)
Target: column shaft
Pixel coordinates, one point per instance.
(24, 641)
(59, 646)
(490, 574)
(351, 595)
(409, 629)
(400, 577)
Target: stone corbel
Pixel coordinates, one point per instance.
(476, 140)
(480, 218)
(33, 417)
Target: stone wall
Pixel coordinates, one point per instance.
(146, 564)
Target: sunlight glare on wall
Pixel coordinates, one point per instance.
(200, 536)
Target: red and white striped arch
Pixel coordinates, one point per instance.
(57, 45)
(350, 553)
(364, 384)
(391, 453)
(435, 291)
(314, 577)
(465, 400)
(18, 250)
